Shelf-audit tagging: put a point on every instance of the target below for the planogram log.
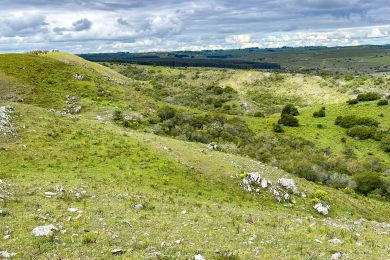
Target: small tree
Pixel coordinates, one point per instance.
(290, 110)
(288, 120)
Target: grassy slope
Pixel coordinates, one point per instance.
(119, 168)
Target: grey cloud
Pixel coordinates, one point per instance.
(22, 25)
(77, 26)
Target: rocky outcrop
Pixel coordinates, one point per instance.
(283, 191)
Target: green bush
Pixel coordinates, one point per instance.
(319, 113)
(353, 101)
(363, 132)
(369, 96)
(288, 120)
(166, 113)
(367, 182)
(383, 102)
(350, 121)
(290, 110)
(278, 128)
(385, 143)
(117, 115)
(258, 114)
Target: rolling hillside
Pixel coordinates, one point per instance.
(140, 161)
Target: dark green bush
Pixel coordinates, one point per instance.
(369, 96)
(117, 115)
(367, 182)
(363, 132)
(383, 102)
(166, 113)
(385, 143)
(290, 110)
(350, 121)
(288, 120)
(353, 101)
(319, 113)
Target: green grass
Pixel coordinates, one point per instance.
(118, 167)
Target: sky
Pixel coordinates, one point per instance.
(86, 26)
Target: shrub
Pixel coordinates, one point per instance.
(288, 120)
(319, 113)
(352, 101)
(290, 110)
(350, 121)
(320, 194)
(118, 115)
(166, 113)
(367, 182)
(278, 128)
(258, 114)
(385, 144)
(383, 102)
(369, 96)
(363, 132)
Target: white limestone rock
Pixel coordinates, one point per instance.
(322, 209)
(42, 231)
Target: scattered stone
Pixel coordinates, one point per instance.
(138, 206)
(78, 76)
(117, 251)
(336, 256)
(335, 241)
(322, 209)
(184, 212)
(163, 244)
(42, 231)
(50, 194)
(74, 210)
(212, 146)
(318, 241)
(6, 254)
(199, 257)
(289, 184)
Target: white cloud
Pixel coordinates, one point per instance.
(243, 40)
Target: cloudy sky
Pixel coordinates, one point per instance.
(81, 26)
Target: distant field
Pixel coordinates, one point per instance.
(335, 60)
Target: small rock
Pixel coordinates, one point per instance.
(138, 206)
(74, 210)
(6, 237)
(41, 231)
(6, 254)
(199, 257)
(318, 241)
(117, 251)
(336, 256)
(335, 241)
(50, 194)
(184, 212)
